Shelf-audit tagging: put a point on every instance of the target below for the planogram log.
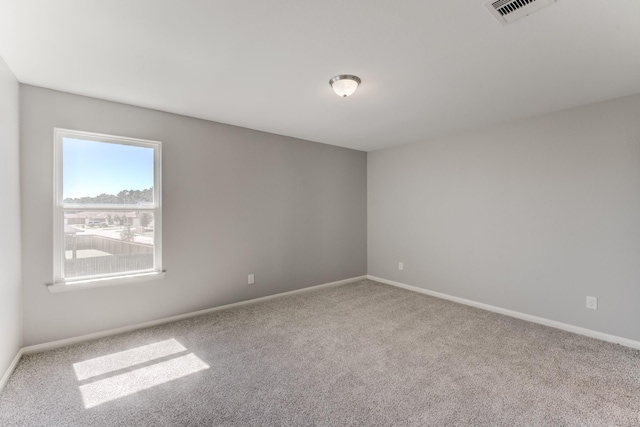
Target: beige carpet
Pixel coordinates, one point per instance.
(363, 354)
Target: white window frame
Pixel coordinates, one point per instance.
(60, 283)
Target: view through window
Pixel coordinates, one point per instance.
(107, 206)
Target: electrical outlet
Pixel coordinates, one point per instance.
(592, 303)
(401, 266)
(251, 279)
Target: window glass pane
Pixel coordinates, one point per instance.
(107, 242)
(106, 173)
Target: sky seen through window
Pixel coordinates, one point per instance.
(91, 168)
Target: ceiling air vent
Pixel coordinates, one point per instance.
(507, 11)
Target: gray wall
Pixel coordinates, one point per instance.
(531, 216)
(10, 287)
(236, 201)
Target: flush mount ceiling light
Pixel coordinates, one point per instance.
(344, 84)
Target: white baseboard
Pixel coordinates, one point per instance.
(547, 322)
(102, 334)
(541, 320)
(10, 369)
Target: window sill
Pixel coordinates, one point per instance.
(104, 281)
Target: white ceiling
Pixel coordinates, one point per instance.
(428, 67)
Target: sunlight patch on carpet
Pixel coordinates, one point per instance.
(121, 374)
(108, 389)
(126, 359)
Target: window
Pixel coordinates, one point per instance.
(107, 213)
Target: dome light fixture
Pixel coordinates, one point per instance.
(344, 84)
